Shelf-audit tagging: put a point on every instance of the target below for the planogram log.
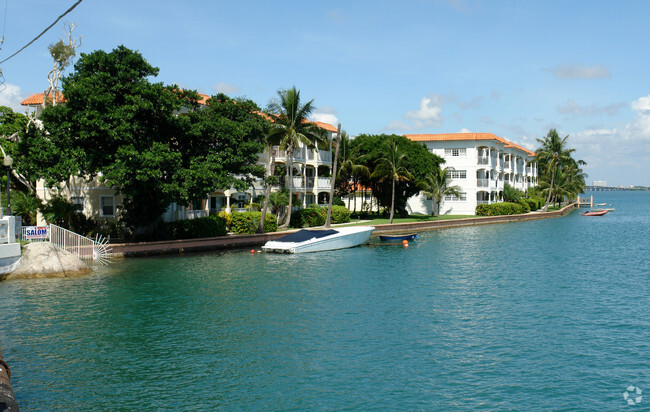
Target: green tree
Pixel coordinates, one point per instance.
(351, 173)
(437, 185)
(118, 125)
(290, 128)
(370, 148)
(551, 155)
(511, 194)
(278, 200)
(392, 167)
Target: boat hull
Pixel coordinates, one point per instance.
(411, 236)
(594, 213)
(344, 237)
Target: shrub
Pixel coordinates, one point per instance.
(246, 223)
(340, 214)
(524, 205)
(337, 201)
(224, 214)
(499, 209)
(200, 227)
(308, 217)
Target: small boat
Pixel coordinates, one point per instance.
(601, 204)
(411, 236)
(318, 240)
(595, 213)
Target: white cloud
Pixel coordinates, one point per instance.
(641, 105)
(325, 118)
(11, 96)
(464, 130)
(430, 111)
(226, 88)
(576, 71)
(574, 109)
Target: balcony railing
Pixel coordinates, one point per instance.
(506, 164)
(482, 182)
(324, 183)
(483, 160)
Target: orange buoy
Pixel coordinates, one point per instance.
(405, 243)
(252, 250)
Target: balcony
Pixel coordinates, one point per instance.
(482, 160)
(482, 182)
(324, 183)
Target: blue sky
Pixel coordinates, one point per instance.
(512, 68)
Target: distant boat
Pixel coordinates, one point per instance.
(595, 213)
(601, 204)
(318, 240)
(410, 236)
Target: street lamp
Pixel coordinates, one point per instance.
(8, 161)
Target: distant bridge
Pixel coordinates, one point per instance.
(608, 188)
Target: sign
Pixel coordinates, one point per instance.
(35, 232)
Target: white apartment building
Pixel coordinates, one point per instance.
(481, 163)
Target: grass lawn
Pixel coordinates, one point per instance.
(410, 219)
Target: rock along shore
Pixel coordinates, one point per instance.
(44, 260)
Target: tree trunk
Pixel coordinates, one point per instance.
(290, 174)
(438, 204)
(267, 193)
(550, 190)
(392, 203)
(333, 179)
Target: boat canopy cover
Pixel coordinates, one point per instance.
(304, 234)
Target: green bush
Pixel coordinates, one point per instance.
(337, 201)
(340, 214)
(308, 217)
(315, 215)
(246, 223)
(199, 228)
(524, 205)
(499, 209)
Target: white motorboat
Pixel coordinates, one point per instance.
(317, 240)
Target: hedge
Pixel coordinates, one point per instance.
(246, 223)
(316, 216)
(499, 209)
(198, 228)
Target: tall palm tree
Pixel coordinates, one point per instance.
(437, 185)
(392, 166)
(291, 128)
(552, 154)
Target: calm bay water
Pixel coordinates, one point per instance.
(544, 315)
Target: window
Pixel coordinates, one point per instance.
(457, 174)
(78, 202)
(455, 152)
(107, 205)
(454, 198)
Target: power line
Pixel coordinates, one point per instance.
(43, 32)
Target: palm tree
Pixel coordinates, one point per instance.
(290, 128)
(353, 169)
(392, 166)
(551, 155)
(277, 200)
(437, 186)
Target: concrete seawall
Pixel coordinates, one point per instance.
(251, 241)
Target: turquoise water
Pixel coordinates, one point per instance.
(544, 315)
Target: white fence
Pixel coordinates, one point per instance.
(87, 250)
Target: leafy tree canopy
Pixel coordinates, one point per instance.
(420, 162)
(119, 125)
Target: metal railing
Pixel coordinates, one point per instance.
(87, 250)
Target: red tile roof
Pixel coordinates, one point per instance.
(37, 98)
(443, 137)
